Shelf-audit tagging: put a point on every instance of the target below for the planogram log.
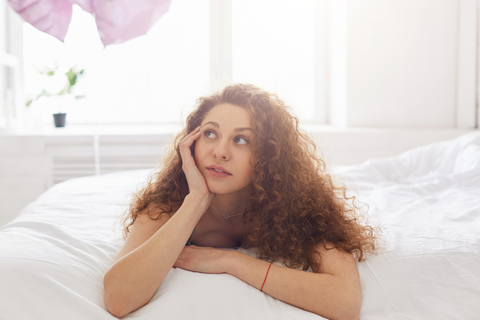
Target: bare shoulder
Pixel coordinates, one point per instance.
(335, 261)
(143, 228)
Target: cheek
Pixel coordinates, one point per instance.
(248, 167)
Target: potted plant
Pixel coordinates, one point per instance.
(72, 77)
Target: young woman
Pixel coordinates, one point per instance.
(242, 174)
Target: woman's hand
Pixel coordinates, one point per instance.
(196, 181)
(202, 259)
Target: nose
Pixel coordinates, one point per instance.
(221, 151)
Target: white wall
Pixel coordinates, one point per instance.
(395, 63)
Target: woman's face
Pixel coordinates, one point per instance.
(225, 141)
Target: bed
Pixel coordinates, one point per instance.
(54, 254)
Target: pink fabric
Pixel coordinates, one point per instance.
(117, 20)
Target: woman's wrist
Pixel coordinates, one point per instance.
(230, 261)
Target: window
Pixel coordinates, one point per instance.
(273, 47)
(157, 77)
(148, 79)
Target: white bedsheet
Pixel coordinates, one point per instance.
(54, 255)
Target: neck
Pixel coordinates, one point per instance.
(228, 205)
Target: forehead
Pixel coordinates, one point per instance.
(228, 115)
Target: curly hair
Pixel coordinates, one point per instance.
(295, 200)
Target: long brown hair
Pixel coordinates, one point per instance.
(296, 203)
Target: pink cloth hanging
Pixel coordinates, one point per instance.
(117, 20)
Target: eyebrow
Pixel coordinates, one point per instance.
(215, 124)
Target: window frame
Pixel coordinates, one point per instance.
(11, 57)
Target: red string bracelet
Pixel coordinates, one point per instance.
(266, 276)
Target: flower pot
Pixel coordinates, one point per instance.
(59, 119)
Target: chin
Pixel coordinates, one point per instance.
(218, 189)
(221, 188)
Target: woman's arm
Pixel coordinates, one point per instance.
(133, 278)
(154, 245)
(332, 292)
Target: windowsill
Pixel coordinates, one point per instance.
(172, 128)
(103, 129)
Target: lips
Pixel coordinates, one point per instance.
(214, 166)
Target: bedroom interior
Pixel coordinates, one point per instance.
(393, 106)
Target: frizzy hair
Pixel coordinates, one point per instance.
(296, 203)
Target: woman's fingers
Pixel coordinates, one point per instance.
(187, 141)
(185, 145)
(196, 182)
(193, 132)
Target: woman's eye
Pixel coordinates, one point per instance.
(241, 140)
(208, 134)
(212, 135)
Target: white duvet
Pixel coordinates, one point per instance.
(54, 255)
